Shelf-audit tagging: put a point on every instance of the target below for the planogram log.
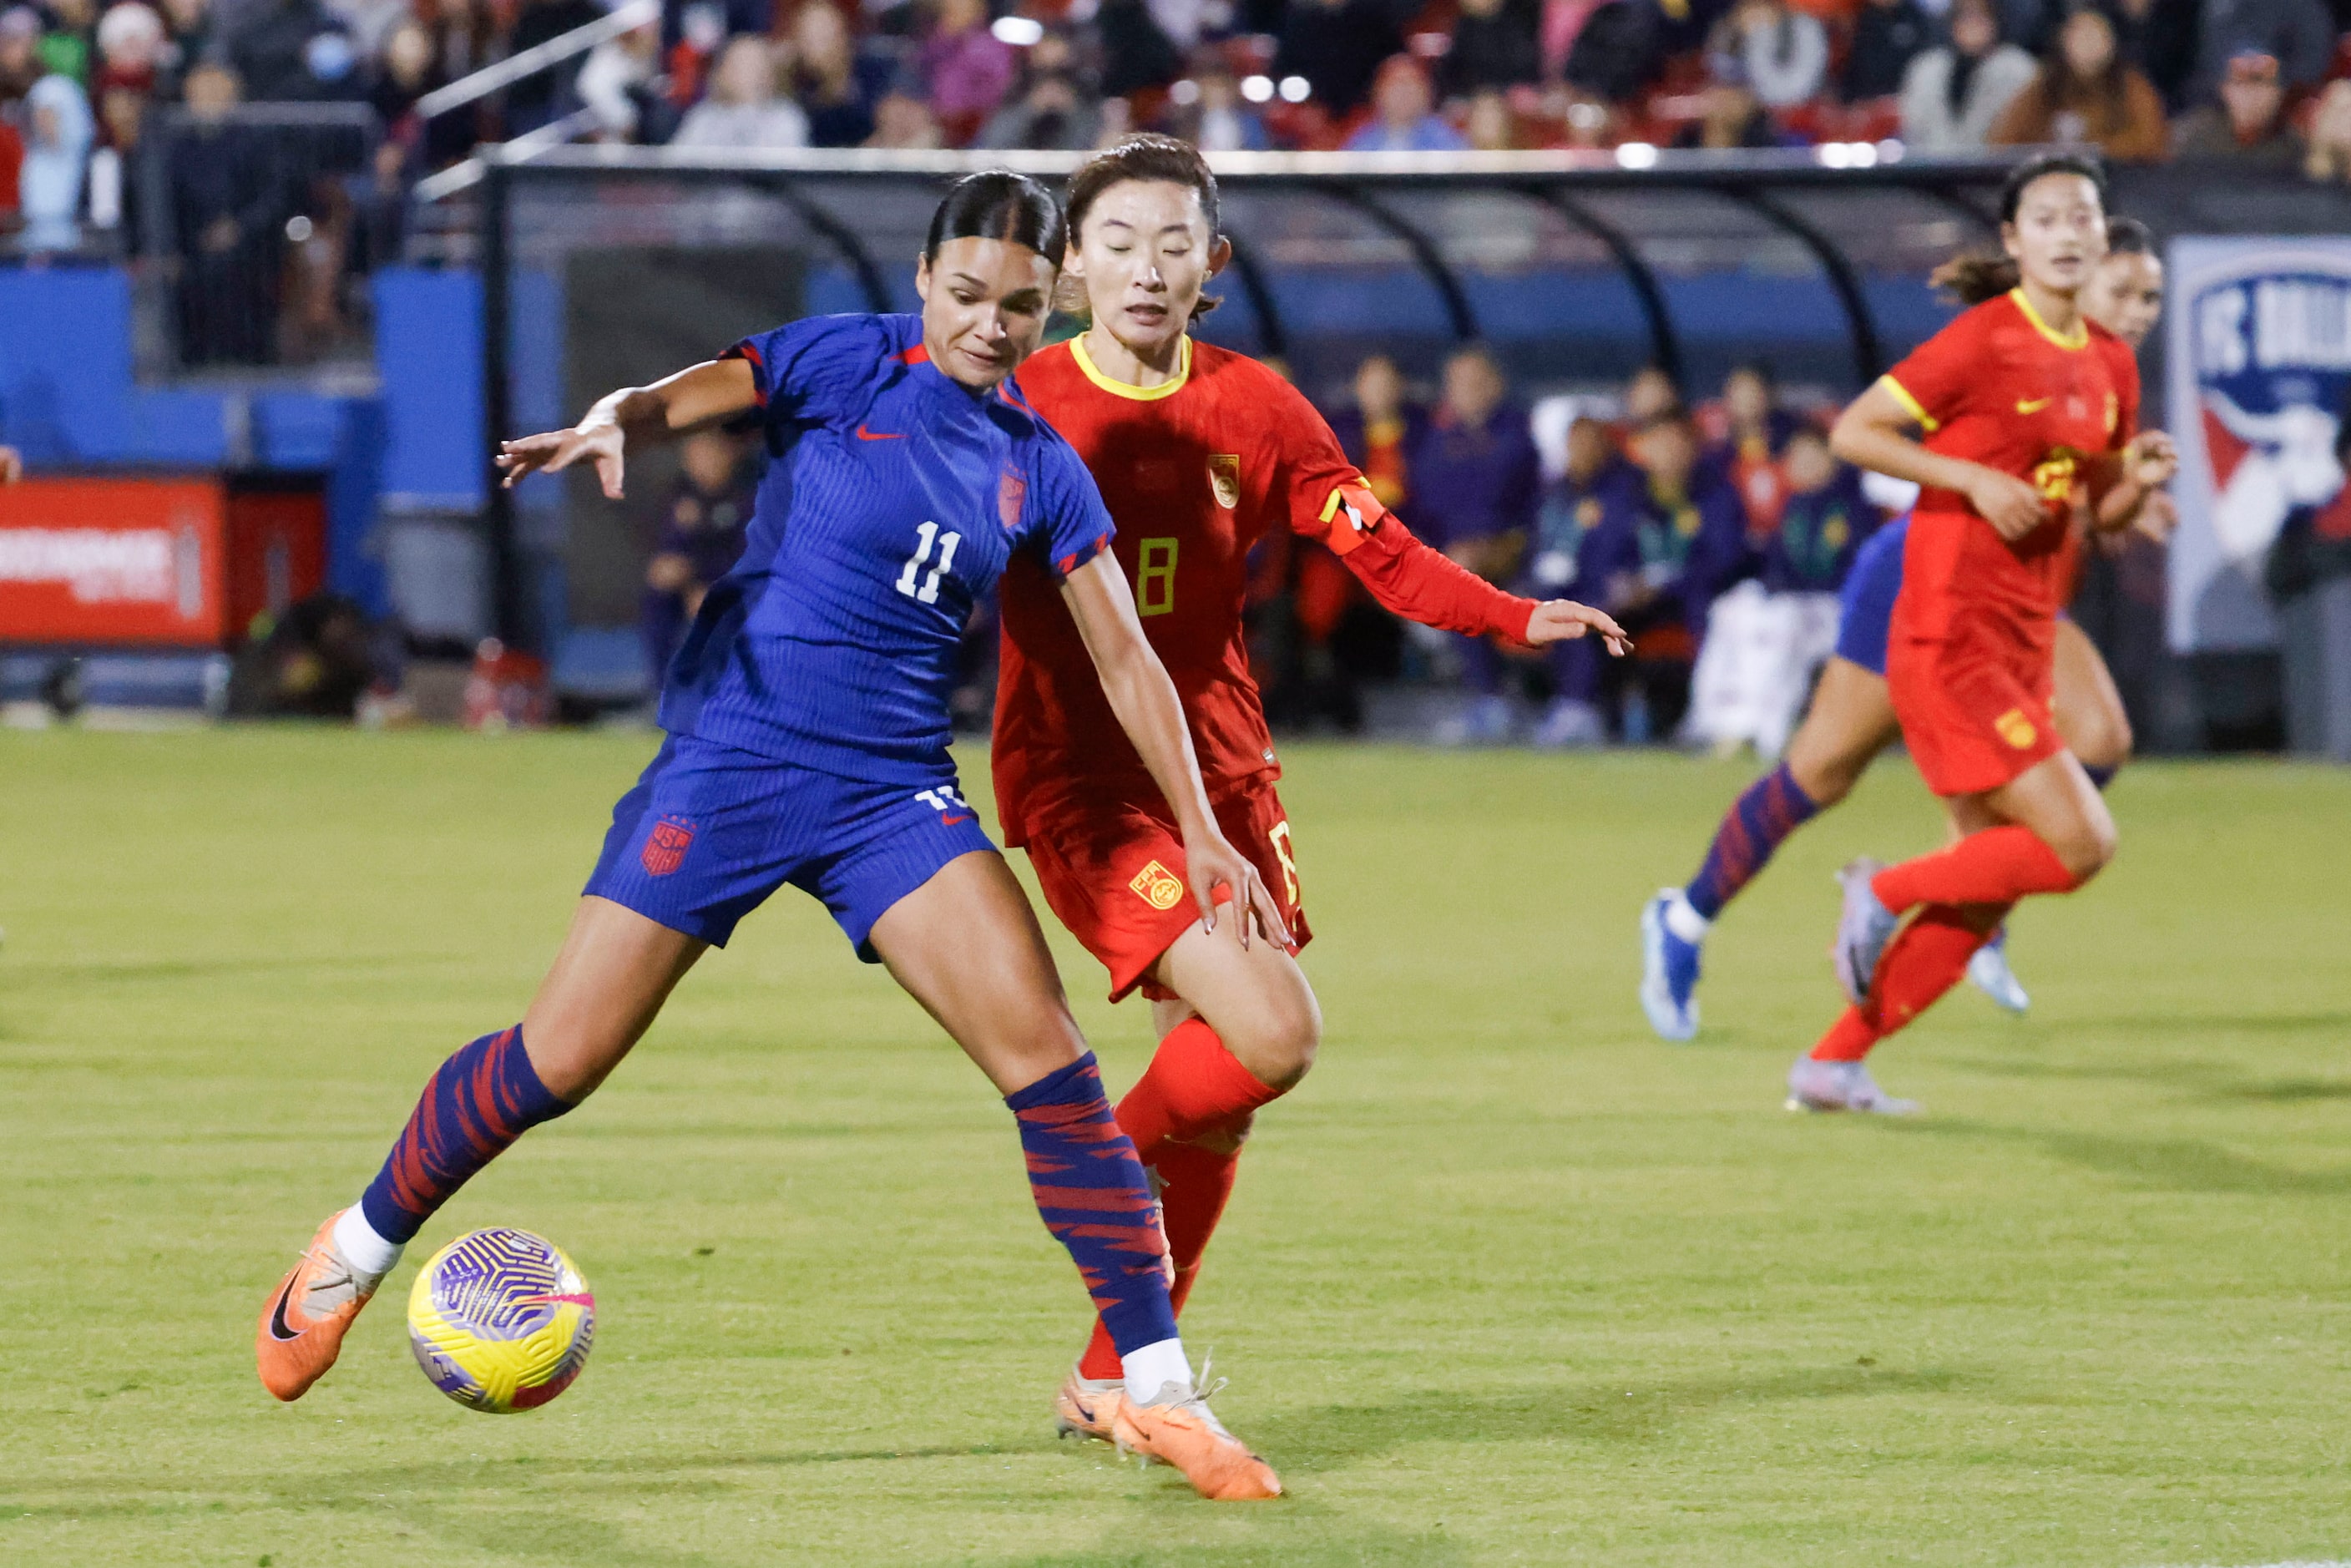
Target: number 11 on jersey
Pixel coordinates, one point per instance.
(927, 535)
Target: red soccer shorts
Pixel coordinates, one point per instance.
(1974, 716)
(1114, 872)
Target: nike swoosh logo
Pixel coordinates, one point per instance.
(865, 435)
(277, 1329)
(2035, 406)
(951, 821)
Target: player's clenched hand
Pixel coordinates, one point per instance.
(559, 449)
(1560, 620)
(2150, 460)
(1215, 864)
(2011, 506)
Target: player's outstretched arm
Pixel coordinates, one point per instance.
(1148, 709)
(12, 466)
(1873, 432)
(700, 395)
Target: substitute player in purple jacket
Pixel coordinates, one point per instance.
(808, 744)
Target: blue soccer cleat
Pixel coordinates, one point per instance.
(1863, 928)
(1668, 972)
(1989, 971)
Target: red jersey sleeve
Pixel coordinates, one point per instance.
(1331, 502)
(1934, 382)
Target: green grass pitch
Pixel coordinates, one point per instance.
(1505, 1282)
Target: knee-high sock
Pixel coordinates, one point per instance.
(1093, 1196)
(1194, 1089)
(476, 1103)
(1998, 865)
(1926, 960)
(1770, 810)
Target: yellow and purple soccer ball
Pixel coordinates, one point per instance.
(501, 1321)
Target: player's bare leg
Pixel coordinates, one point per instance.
(1249, 1028)
(966, 947)
(607, 985)
(1850, 721)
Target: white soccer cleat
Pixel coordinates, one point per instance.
(1841, 1086)
(1989, 971)
(1863, 928)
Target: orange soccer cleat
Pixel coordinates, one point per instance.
(1088, 1406)
(1179, 1430)
(304, 1319)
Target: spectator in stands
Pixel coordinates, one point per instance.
(1951, 95)
(58, 139)
(2246, 126)
(2328, 159)
(903, 119)
(1219, 118)
(1676, 539)
(1730, 115)
(836, 82)
(2299, 34)
(465, 33)
(20, 59)
(537, 99)
(1489, 125)
(290, 51)
(193, 35)
(743, 108)
(1650, 392)
(1824, 523)
(227, 206)
(1617, 50)
(1338, 46)
(1888, 34)
(1475, 481)
(1591, 121)
(114, 192)
(130, 42)
(66, 45)
(2086, 93)
(622, 84)
(1053, 108)
(1137, 54)
(2158, 37)
(1782, 54)
(1596, 480)
(965, 68)
(1402, 117)
(1494, 45)
(701, 539)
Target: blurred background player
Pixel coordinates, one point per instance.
(2028, 415)
(701, 537)
(1851, 718)
(1595, 481)
(808, 744)
(1199, 452)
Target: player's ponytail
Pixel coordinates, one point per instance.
(1145, 155)
(1978, 275)
(1000, 205)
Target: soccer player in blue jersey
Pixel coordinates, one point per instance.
(1851, 718)
(808, 744)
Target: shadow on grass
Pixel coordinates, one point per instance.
(1288, 1549)
(1607, 1413)
(2185, 1165)
(2210, 1079)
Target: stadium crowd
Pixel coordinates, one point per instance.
(2264, 82)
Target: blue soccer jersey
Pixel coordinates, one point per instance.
(833, 645)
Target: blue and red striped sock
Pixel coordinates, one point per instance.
(1774, 806)
(476, 1103)
(1093, 1196)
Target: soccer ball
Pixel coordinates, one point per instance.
(501, 1321)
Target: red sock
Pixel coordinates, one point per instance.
(1926, 960)
(1194, 1087)
(1195, 1184)
(1998, 865)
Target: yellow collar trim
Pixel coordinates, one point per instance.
(1167, 388)
(2079, 339)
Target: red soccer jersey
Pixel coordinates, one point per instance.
(1195, 471)
(1999, 387)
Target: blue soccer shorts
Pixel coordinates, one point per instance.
(709, 832)
(1866, 610)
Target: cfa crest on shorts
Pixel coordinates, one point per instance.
(1225, 478)
(1158, 886)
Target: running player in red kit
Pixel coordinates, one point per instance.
(1198, 452)
(2027, 410)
